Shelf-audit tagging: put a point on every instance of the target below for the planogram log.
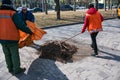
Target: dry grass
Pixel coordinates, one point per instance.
(67, 17)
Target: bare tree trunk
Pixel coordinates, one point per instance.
(43, 5)
(74, 5)
(96, 4)
(105, 5)
(118, 2)
(108, 4)
(21, 2)
(57, 8)
(46, 12)
(111, 3)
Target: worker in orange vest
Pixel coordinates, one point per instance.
(10, 23)
(93, 23)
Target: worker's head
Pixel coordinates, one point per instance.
(7, 2)
(91, 6)
(24, 9)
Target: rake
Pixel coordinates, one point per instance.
(71, 37)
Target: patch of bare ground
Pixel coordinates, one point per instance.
(64, 52)
(83, 51)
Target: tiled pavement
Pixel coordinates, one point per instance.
(104, 67)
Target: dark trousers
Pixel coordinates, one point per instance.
(94, 43)
(12, 56)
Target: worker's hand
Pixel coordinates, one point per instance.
(83, 31)
(31, 33)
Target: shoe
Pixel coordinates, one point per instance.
(21, 70)
(11, 71)
(94, 54)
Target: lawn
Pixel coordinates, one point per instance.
(67, 17)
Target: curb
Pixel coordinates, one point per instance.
(62, 25)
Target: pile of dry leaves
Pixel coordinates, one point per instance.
(57, 50)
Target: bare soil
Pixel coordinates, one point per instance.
(64, 52)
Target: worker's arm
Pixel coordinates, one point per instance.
(20, 24)
(85, 24)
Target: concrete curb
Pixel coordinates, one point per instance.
(61, 25)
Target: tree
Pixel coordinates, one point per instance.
(105, 5)
(46, 12)
(96, 4)
(57, 8)
(74, 5)
(118, 2)
(108, 4)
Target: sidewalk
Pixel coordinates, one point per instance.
(104, 67)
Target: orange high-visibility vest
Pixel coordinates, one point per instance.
(8, 30)
(95, 22)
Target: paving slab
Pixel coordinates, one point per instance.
(106, 66)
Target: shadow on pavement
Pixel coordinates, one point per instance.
(43, 69)
(109, 56)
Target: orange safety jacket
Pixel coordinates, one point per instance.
(95, 22)
(8, 30)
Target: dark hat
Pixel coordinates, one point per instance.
(6, 2)
(91, 6)
(24, 8)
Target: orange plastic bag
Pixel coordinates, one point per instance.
(38, 33)
(26, 39)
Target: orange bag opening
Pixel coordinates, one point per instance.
(26, 39)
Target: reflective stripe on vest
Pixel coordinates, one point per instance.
(97, 30)
(95, 23)
(5, 16)
(8, 30)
